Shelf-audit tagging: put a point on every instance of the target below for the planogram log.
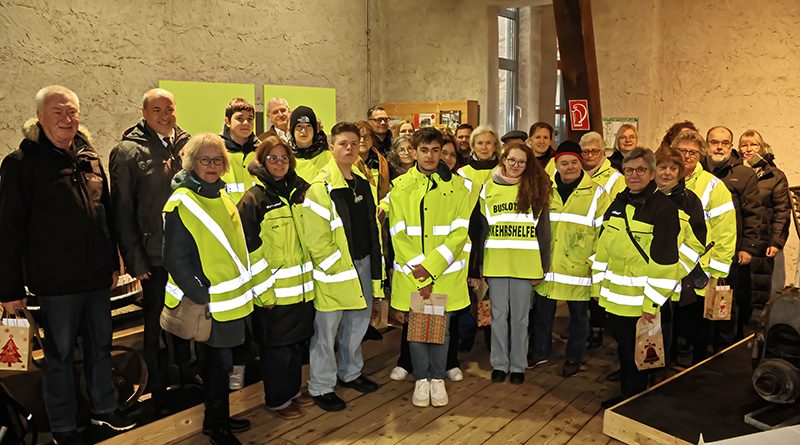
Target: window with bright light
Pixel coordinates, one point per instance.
(508, 72)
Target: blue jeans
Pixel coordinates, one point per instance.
(545, 311)
(64, 317)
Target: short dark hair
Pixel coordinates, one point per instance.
(425, 135)
(373, 109)
(539, 125)
(271, 143)
(345, 127)
(238, 104)
(666, 155)
(673, 131)
(643, 153)
(465, 127)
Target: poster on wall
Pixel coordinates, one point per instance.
(612, 124)
(200, 106)
(423, 120)
(321, 100)
(450, 119)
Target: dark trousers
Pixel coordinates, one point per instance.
(597, 314)
(667, 329)
(728, 332)
(64, 317)
(404, 361)
(215, 365)
(692, 326)
(152, 304)
(632, 380)
(544, 314)
(281, 366)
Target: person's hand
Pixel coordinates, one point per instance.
(144, 276)
(12, 307)
(772, 251)
(269, 306)
(114, 279)
(425, 292)
(535, 282)
(474, 282)
(420, 273)
(381, 214)
(744, 258)
(648, 317)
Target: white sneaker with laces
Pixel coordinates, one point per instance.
(422, 393)
(236, 378)
(398, 373)
(438, 393)
(455, 375)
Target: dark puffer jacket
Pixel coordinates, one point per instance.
(773, 193)
(55, 219)
(141, 171)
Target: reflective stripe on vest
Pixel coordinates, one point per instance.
(236, 187)
(512, 244)
(624, 300)
(567, 279)
(294, 291)
(611, 181)
(718, 265)
(584, 220)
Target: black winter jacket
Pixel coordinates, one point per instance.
(141, 171)
(55, 219)
(281, 325)
(743, 185)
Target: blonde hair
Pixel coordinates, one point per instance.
(753, 134)
(621, 130)
(204, 140)
(693, 137)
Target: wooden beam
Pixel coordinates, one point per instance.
(578, 61)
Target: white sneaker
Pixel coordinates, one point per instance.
(398, 373)
(422, 393)
(455, 375)
(236, 378)
(438, 393)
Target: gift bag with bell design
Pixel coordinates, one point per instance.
(718, 301)
(427, 321)
(649, 344)
(15, 343)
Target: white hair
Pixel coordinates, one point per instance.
(51, 90)
(156, 93)
(592, 136)
(278, 100)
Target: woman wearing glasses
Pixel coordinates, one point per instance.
(207, 260)
(514, 204)
(284, 289)
(371, 162)
(400, 157)
(626, 140)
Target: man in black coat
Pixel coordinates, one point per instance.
(142, 166)
(56, 240)
(726, 164)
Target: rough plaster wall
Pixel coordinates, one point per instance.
(111, 51)
(429, 50)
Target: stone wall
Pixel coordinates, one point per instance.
(111, 51)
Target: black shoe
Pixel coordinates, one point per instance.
(330, 402)
(498, 376)
(360, 384)
(221, 436)
(517, 378)
(236, 425)
(570, 369)
(192, 381)
(114, 420)
(614, 376)
(68, 438)
(595, 339)
(606, 404)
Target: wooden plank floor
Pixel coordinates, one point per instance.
(546, 409)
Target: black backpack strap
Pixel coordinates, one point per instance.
(630, 235)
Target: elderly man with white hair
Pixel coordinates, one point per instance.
(278, 113)
(55, 232)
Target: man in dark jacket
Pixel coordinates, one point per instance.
(379, 120)
(142, 166)
(726, 164)
(55, 238)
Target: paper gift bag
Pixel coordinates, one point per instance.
(427, 321)
(484, 313)
(380, 314)
(15, 344)
(649, 344)
(719, 301)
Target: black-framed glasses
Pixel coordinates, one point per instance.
(283, 159)
(382, 120)
(206, 161)
(591, 152)
(689, 153)
(516, 162)
(640, 171)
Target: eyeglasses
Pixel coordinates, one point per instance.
(715, 142)
(755, 146)
(405, 150)
(302, 129)
(516, 162)
(689, 153)
(591, 152)
(206, 161)
(382, 120)
(283, 159)
(640, 171)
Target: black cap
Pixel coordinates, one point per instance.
(569, 148)
(514, 134)
(302, 115)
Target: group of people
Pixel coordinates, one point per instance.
(287, 237)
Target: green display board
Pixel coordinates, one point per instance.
(200, 106)
(321, 100)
